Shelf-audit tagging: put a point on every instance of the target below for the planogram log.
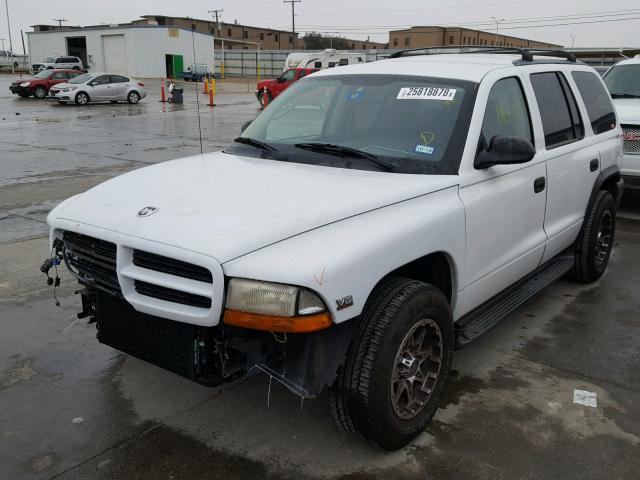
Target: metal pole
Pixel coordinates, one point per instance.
(13, 68)
(258, 62)
(573, 39)
(497, 27)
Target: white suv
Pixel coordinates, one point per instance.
(623, 81)
(69, 63)
(369, 221)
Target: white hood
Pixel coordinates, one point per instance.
(628, 110)
(225, 206)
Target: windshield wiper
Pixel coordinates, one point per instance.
(341, 150)
(624, 95)
(275, 153)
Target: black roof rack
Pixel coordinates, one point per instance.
(526, 53)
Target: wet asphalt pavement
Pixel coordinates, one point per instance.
(71, 408)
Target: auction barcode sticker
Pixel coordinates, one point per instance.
(426, 93)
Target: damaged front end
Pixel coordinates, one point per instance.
(305, 363)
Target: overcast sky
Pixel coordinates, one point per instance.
(353, 20)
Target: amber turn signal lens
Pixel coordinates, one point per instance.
(271, 323)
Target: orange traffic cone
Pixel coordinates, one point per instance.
(163, 98)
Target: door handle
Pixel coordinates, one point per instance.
(593, 165)
(538, 184)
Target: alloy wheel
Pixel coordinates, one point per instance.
(603, 238)
(416, 368)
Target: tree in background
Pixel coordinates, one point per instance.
(318, 41)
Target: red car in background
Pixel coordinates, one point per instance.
(276, 86)
(39, 84)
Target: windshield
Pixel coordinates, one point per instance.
(624, 80)
(49, 60)
(82, 78)
(410, 124)
(43, 74)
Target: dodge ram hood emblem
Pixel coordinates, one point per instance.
(147, 211)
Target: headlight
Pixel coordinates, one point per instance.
(275, 307)
(25, 84)
(68, 89)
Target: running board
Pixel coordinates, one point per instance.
(487, 315)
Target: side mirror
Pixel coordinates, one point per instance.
(93, 84)
(505, 150)
(245, 125)
(280, 79)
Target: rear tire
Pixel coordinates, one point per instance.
(40, 92)
(389, 387)
(82, 98)
(133, 97)
(594, 245)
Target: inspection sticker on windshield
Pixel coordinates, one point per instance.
(426, 93)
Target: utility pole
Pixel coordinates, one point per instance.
(498, 22)
(214, 14)
(293, 20)
(13, 63)
(60, 20)
(573, 39)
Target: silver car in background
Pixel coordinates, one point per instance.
(98, 87)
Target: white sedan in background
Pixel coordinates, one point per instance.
(98, 87)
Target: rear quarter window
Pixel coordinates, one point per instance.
(560, 117)
(597, 100)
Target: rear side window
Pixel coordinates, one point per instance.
(506, 113)
(560, 117)
(60, 60)
(118, 79)
(597, 100)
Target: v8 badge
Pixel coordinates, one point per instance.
(345, 302)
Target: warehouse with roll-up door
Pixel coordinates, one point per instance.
(145, 51)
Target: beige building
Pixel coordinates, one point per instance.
(432, 36)
(234, 35)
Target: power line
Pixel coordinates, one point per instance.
(612, 13)
(508, 28)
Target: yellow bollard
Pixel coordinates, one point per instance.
(213, 85)
(206, 86)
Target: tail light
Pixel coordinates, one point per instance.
(141, 84)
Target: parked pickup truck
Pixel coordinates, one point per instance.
(275, 86)
(623, 81)
(362, 227)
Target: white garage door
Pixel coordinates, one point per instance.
(115, 54)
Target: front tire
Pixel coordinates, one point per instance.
(390, 385)
(594, 245)
(133, 97)
(40, 92)
(82, 98)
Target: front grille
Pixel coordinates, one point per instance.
(631, 181)
(171, 295)
(94, 261)
(631, 138)
(151, 261)
(168, 344)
